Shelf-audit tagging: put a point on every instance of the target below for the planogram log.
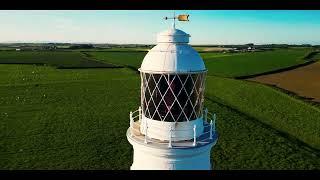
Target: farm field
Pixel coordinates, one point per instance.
(303, 81)
(210, 49)
(273, 108)
(223, 64)
(251, 63)
(130, 59)
(113, 49)
(59, 59)
(65, 119)
(77, 118)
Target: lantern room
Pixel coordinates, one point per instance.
(172, 84)
(172, 79)
(171, 128)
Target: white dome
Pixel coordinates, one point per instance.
(173, 35)
(172, 54)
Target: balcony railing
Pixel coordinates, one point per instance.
(208, 135)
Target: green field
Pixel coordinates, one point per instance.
(244, 64)
(59, 59)
(223, 64)
(77, 118)
(131, 59)
(65, 118)
(271, 107)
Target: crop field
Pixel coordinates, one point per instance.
(304, 81)
(77, 118)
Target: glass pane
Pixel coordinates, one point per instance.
(188, 110)
(162, 110)
(172, 100)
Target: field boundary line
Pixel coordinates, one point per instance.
(294, 96)
(277, 70)
(90, 57)
(308, 62)
(63, 82)
(87, 55)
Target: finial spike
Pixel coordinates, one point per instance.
(174, 19)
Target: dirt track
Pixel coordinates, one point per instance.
(304, 81)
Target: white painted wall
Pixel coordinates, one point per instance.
(149, 157)
(180, 130)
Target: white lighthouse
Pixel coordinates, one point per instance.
(172, 130)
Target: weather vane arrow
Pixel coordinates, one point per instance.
(181, 17)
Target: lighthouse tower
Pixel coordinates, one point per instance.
(172, 130)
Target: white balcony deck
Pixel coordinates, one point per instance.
(204, 139)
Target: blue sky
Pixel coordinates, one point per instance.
(119, 26)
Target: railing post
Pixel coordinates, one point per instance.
(131, 124)
(170, 136)
(211, 129)
(140, 113)
(206, 114)
(146, 134)
(214, 122)
(194, 135)
(130, 117)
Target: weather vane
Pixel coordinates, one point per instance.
(181, 17)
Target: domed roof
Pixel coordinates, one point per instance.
(172, 54)
(173, 35)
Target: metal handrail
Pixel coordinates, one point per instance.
(212, 118)
(154, 132)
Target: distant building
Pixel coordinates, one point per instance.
(250, 48)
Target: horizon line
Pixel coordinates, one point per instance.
(48, 42)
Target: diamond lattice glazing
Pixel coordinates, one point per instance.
(172, 97)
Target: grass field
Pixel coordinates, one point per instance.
(131, 59)
(66, 119)
(245, 144)
(303, 81)
(243, 64)
(113, 49)
(77, 119)
(273, 108)
(220, 64)
(65, 122)
(60, 59)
